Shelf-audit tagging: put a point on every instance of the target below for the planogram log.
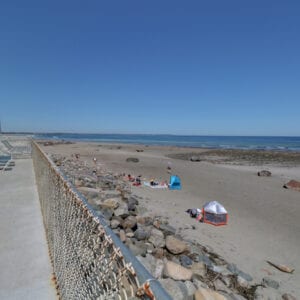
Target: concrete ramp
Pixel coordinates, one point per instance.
(25, 269)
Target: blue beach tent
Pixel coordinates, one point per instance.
(175, 183)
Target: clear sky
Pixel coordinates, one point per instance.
(179, 67)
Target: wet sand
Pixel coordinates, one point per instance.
(263, 216)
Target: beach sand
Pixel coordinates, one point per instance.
(263, 216)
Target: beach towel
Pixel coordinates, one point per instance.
(157, 186)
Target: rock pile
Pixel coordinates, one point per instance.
(187, 270)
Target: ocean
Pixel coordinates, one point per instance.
(212, 142)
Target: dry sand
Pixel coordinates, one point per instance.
(263, 217)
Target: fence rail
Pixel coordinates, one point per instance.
(89, 260)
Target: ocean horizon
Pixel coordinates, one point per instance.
(278, 143)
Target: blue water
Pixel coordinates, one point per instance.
(213, 142)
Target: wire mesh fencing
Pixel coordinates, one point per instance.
(89, 261)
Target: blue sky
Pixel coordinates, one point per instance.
(179, 67)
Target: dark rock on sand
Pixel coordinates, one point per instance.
(293, 184)
(185, 261)
(266, 281)
(287, 296)
(140, 234)
(195, 158)
(132, 159)
(264, 173)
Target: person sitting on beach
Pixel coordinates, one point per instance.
(152, 182)
(137, 181)
(130, 178)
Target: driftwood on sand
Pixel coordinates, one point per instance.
(282, 268)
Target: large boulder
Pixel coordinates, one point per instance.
(130, 222)
(157, 238)
(110, 203)
(108, 194)
(139, 248)
(132, 202)
(176, 289)
(167, 229)
(153, 265)
(199, 270)
(176, 271)
(122, 210)
(175, 245)
(293, 184)
(140, 234)
(107, 213)
(89, 192)
(114, 223)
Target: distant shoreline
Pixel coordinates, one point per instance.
(281, 144)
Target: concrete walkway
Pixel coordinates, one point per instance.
(25, 269)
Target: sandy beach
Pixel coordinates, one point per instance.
(263, 216)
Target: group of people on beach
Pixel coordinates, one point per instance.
(136, 181)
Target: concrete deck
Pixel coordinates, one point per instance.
(25, 269)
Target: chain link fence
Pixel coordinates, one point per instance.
(89, 260)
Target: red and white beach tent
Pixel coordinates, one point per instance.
(214, 213)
